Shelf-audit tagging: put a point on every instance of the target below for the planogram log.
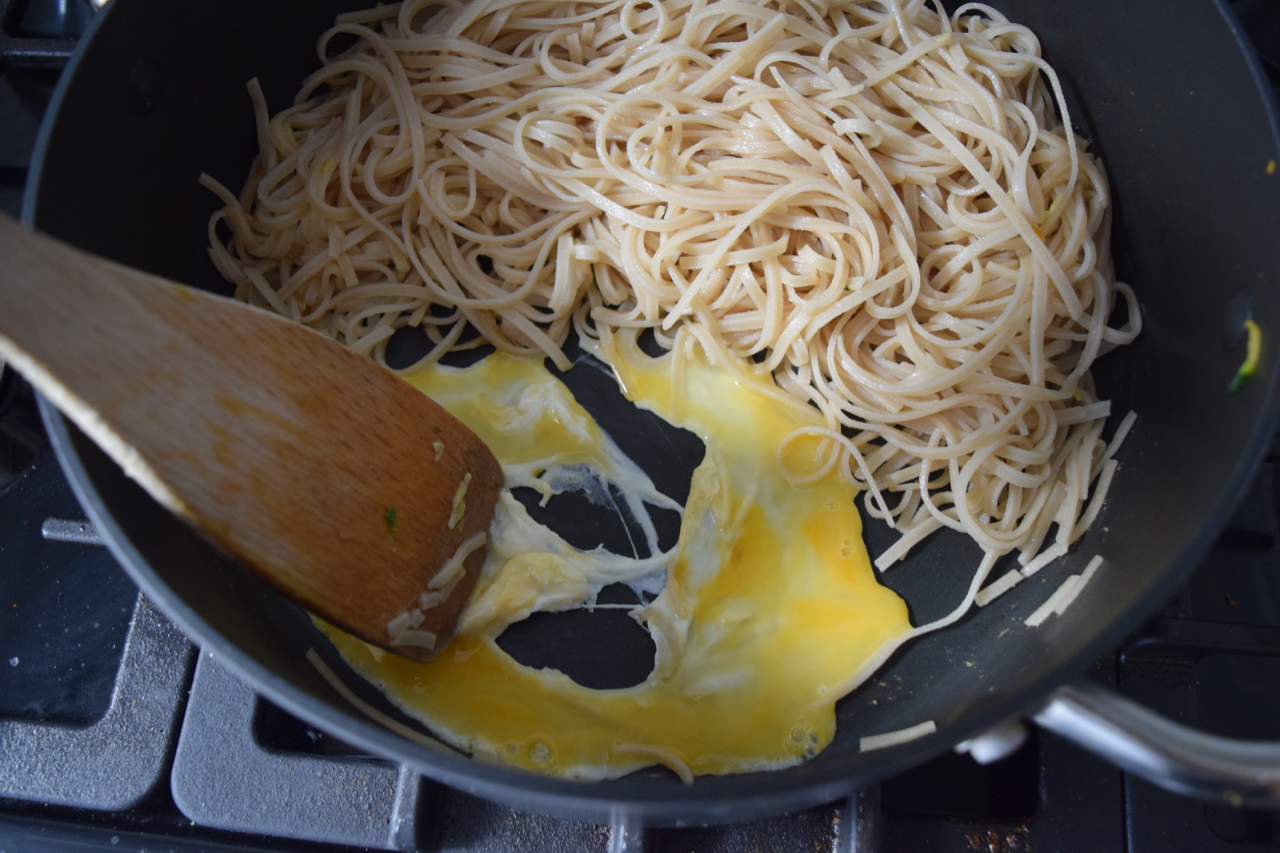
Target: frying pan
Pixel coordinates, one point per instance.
(1170, 98)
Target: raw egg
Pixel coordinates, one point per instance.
(768, 611)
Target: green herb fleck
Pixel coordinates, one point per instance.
(389, 516)
(437, 430)
(1253, 353)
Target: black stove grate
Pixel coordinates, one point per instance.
(41, 35)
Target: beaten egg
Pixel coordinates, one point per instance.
(769, 610)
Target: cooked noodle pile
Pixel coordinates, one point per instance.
(884, 207)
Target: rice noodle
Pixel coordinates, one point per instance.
(990, 593)
(871, 742)
(884, 207)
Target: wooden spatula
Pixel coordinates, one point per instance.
(338, 482)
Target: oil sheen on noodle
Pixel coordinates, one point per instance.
(769, 614)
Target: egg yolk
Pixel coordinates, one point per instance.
(770, 610)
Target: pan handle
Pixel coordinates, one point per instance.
(1171, 755)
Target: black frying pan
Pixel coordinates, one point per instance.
(1170, 98)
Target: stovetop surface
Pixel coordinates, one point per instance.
(116, 734)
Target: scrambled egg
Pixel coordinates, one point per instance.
(769, 613)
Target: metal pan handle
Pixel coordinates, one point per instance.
(1171, 755)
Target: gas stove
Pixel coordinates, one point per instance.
(116, 733)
